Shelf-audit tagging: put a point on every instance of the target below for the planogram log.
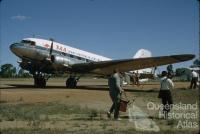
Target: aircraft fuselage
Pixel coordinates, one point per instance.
(35, 51)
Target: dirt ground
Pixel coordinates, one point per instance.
(93, 93)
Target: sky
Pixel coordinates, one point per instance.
(112, 28)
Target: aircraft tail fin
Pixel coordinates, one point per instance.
(142, 53)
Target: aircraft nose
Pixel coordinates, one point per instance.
(13, 47)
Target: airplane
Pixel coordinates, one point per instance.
(42, 58)
(194, 68)
(143, 53)
(147, 73)
(144, 74)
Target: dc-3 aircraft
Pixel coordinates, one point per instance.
(45, 57)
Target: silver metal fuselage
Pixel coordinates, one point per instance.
(26, 51)
(37, 55)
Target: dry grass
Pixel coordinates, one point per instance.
(56, 109)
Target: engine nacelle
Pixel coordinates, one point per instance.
(59, 60)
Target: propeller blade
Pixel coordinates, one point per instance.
(51, 49)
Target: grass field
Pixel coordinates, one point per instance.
(55, 109)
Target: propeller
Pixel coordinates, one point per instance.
(51, 49)
(52, 58)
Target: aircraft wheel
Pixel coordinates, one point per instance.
(71, 82)
(74, 83)
(36, 82)
(42, 83)
(67, 83)
(39, 82)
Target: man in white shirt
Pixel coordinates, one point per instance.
(165, 93)
(194, 80)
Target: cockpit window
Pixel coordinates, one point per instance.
(32, 43)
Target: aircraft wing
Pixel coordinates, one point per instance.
(125, 65)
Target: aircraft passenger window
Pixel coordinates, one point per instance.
(88, 60)
(83, 59)
(72, 56)
(64, 54)
(79, 58)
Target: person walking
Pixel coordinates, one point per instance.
(166, 85)
(134, 78)
(194, 80)
(115, 90)
(137, 79)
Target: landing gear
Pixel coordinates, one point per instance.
(71, 82)
(39, 80)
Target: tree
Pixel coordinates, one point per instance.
(196, 63)
(8, 71)
(184, 73)
(22, 73)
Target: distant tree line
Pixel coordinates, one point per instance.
(9, 71)
(183, 73)
(196, 63)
